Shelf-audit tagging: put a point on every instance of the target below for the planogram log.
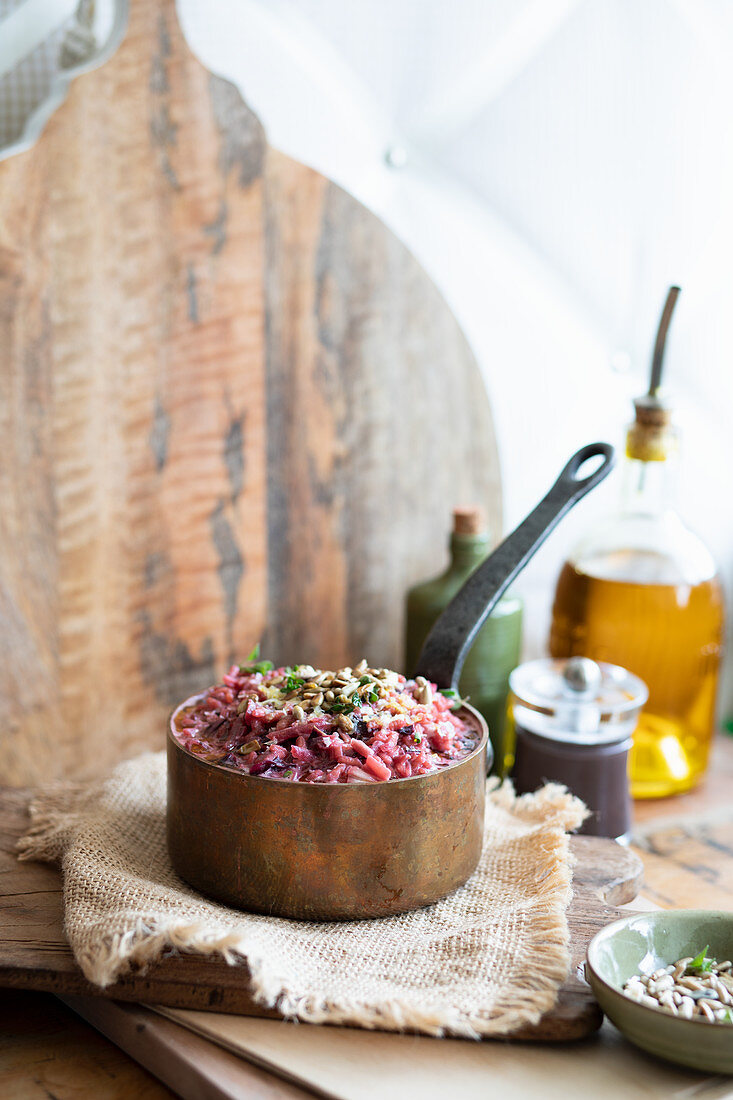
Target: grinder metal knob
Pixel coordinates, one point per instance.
(581, 677)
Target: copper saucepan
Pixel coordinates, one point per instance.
(347, 851)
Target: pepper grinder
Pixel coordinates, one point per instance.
(573, 721)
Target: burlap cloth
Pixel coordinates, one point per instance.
(482, 962)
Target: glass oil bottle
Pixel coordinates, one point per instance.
(641, 591)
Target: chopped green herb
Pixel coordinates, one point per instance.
(287, 774)
(701, 963)
(417, 738)
(728, 1016)
(293, 683)
(365, 680)
(453, 695)
(252, 665)
(340, 708)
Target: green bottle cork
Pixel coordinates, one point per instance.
(496, 651)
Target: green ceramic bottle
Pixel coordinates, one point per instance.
(496, 651)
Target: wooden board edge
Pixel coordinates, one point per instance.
(194, 1067)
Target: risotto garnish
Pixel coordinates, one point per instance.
(354, 725)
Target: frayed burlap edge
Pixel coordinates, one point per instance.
(52, 821)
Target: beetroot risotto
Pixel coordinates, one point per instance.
(356, 725)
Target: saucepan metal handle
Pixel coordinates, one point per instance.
(448, 643)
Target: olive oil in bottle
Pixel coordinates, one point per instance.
(641, 590)
(496, 651)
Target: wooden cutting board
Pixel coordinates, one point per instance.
(34, 953)
(233, 407)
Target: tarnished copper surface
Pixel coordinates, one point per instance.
(325, 851)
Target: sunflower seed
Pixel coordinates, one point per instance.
(704, 994)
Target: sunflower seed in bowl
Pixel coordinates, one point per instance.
(690, 987)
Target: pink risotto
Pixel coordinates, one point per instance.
(355, 725)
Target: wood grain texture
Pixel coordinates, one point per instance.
(48, 1053)
(686, 842)
(34, 953)
(193, 1067)
(232, 407)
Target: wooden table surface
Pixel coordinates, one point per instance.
(49, 1053)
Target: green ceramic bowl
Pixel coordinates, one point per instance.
(641, 944)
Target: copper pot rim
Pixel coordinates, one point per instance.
(484, 745)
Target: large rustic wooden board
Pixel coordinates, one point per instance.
(34, 953)
(232, 405)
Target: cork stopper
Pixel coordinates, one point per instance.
(468, 520)
(651, 437)
(651, 412)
